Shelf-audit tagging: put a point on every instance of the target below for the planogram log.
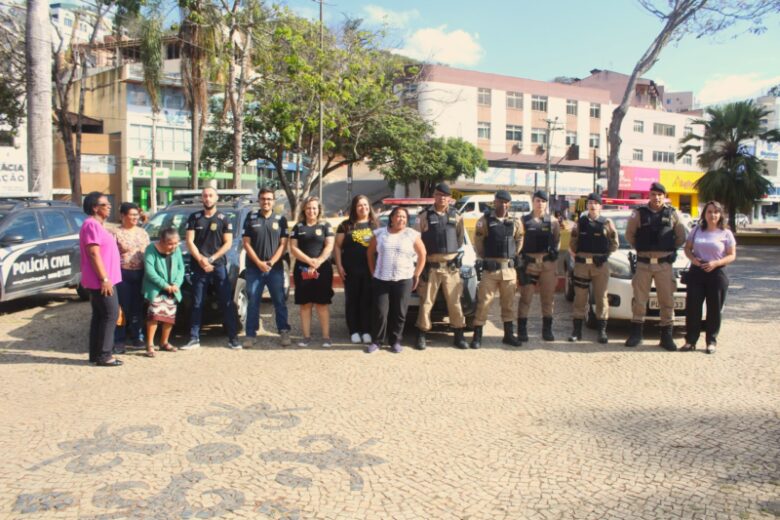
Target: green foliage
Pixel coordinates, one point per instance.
(11, 107)
(151, 56)
(734, 176)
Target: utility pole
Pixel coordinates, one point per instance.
(39, 106)
(551, 127)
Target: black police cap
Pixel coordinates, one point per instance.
(444, 188)
(503, 195)
(657, 186)
(595, 196)
(540, 194)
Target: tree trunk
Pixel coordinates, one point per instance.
(153, 174)
(39, 98)
(195, 147)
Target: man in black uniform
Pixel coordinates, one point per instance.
(265, 241)
(441, 230)
(209, 236)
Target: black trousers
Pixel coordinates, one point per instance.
(105, 312)
(391, 300)
(357, 293)
(703, 286)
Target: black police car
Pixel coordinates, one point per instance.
(39, 247)
(236, 205)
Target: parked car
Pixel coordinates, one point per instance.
(619, 289)
(39, 247)
(236, 205)
(468, 274)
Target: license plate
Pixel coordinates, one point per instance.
(679, 303)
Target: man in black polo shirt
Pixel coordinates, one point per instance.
(209, 236)
(265, 241)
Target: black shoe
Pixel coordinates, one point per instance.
(635, 338)
(522, 329)
(602, 326)
(476, 341)
(667, 339)
(118, 349)
(459, 341)
(547, 333)
(420, 344)
(509, 335)
(576, 331)
(113, 363)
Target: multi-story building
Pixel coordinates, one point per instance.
(517, 122)
(769, 207)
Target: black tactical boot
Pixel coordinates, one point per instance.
(635, 338)
(459, 341)
(522, 329)
(576, 332)
(667, 339)
(509, 335)
(420, 344)
(602, 326)
(476, 341)
(547, 333)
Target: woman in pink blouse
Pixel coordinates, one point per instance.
(99, 274)
(132, 241)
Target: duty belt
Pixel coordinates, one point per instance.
(528, 259)
(662, 260)
(598, 260)
(439, 265)
(497, 265)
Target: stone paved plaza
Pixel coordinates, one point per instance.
(544, 431)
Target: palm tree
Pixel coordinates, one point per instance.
(734, 176)
(151, 59)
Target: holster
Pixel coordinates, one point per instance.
(478, 267)
(457, 261)
(632, 261)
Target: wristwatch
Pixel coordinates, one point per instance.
(105, 279)
(211, 259)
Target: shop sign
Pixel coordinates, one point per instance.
(13, 178)
(145, 172)
(98, 164)
(677, 181)
(637, 179)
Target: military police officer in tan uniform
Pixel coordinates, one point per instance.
(539, 254)
(497, 240)
(656, 232)
(441, 230)
(593, 238)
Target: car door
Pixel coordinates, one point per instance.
(62, 247)
(22, 256)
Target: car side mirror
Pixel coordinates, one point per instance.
(9, 240)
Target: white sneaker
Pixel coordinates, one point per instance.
(304, 342)
(326, 343)
(355, 338)
(191, 344)
(367, 339)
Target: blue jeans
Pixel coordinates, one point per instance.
(256, 280)
(200, 284)
(131, 301)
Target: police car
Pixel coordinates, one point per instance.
(619, 289)
(236, 205)
(39, 247)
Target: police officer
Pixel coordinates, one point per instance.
(539, 255)
(497, 240)
(209, 237)
(593, 238)
(441, 230)
(656, 232)
(265, 238)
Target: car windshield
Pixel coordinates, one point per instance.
(178, 220)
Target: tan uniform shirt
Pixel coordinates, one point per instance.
(633, 225)
(609, 230)
(422, 226)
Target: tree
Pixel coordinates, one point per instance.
(38, 74)
(774, 91)
(152, 62)
(12, 67)
(734, 175)
(681, 18)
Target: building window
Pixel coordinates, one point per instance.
(595, 110)
(68, 22)
(483, 97)
(172, 51)
(514, 133)
(687, 130)
(594, 140)
(571, 107)
(687, 160)
(662, 129)
(639, 126)
(6, 138)
(539, 103)
(539, 136)
(571, 138)
(663, 157)
(514, 100)
(483, 130)
(638, 154)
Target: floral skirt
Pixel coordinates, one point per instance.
(163, 309)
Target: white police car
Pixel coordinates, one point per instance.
(39, 247)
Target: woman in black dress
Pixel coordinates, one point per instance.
(352, 239)
(311, 244)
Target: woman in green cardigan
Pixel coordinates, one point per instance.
(163, 276)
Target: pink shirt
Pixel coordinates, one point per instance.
(93, 232)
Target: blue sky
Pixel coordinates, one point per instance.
(541, 40)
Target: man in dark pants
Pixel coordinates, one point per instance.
(265, 241)
(209, 236)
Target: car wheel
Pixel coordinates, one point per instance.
(82, 292)
(568, 290)
(241, 301)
